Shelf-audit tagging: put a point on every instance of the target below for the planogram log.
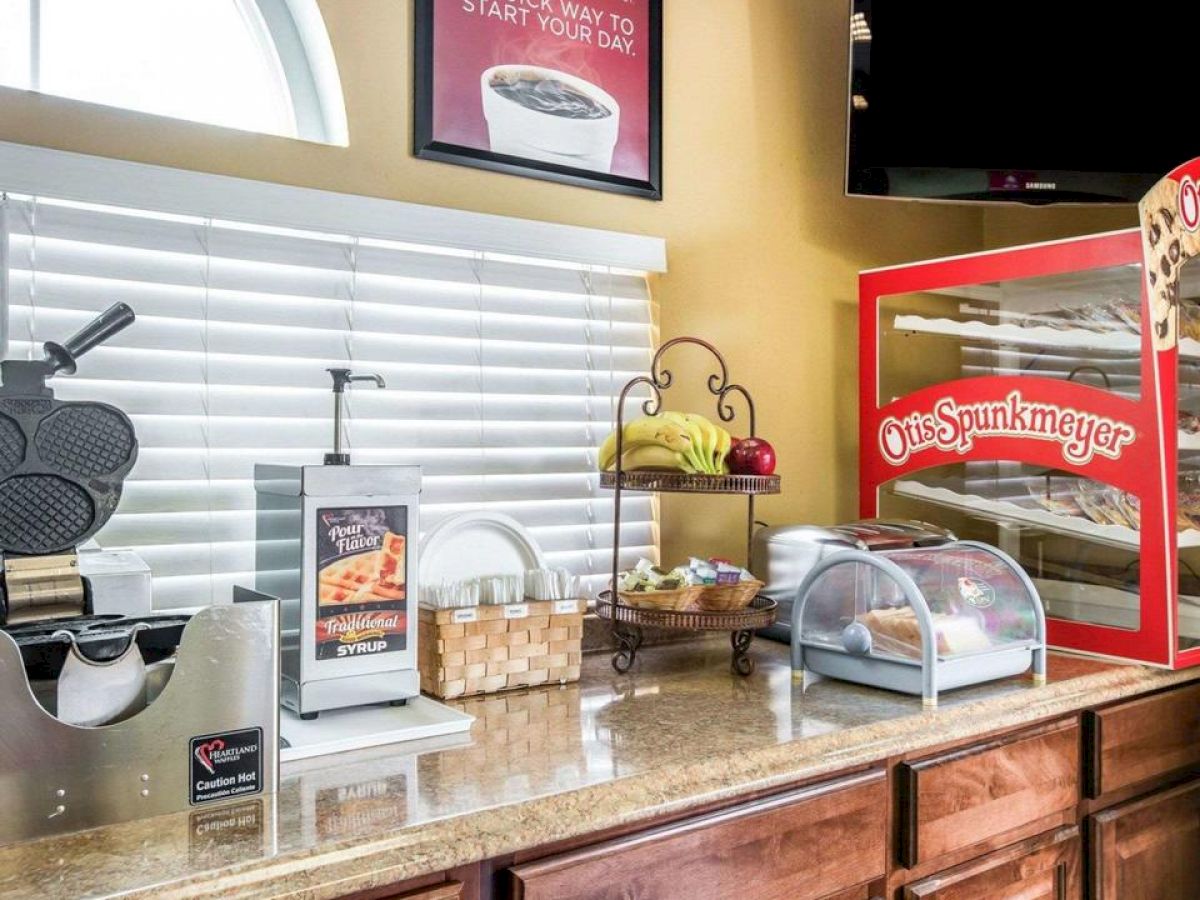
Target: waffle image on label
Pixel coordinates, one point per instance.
(43, 513)
(85, 440)
(12, 444)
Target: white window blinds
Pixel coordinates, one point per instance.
(502, 374)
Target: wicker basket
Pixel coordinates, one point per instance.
(485, 649)
(728, 597)
(676, 600)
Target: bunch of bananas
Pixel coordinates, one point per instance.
(670, 440)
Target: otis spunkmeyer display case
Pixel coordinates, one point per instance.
(1046, 399)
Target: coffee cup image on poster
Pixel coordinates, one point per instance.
(550, 116)
(361, 578)
(564, 84)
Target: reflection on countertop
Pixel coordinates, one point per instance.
(539, 766)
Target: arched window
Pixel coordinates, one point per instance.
(258, 65)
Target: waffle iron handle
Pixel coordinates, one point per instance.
(61, 357)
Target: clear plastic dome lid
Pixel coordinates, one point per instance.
(973, 598)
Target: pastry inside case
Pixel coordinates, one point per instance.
(919, 620)
(1077, 537)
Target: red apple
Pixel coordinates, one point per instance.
(733, 445)
(751, 456)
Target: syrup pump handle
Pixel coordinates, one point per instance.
(342, 379)
(62, 357)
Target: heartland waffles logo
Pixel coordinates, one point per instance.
(954, 428)
(204, 754)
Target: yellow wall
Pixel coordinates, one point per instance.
(1007, 226)
(763, 247)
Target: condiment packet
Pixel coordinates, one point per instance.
(727, 573)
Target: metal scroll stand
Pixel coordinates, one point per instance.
(628, 621)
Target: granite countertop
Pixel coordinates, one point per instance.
(539, 766)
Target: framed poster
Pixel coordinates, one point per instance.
(564, 90)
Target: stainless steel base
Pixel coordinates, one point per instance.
(312, 697)
(211, 736)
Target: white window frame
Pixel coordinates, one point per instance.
(300, 41)
(94, 179)
(292, 35)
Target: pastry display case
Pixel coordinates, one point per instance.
(785, 554)
(919, 620)
(1046, 399)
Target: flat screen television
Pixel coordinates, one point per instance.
(1019, 101)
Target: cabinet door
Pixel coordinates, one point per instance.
(1142, 739)
(450, 891)
(1148, 849)
(447, 890)
(807, 844)
(956, 800)
(1045, 868)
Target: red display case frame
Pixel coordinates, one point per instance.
(893, 441)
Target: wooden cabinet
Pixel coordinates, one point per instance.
(999, 819)
(1044, 868)
(817, 842)
(430, 888)
(1147, 849)
(956, 800)
(449, 891)
(1142, 739)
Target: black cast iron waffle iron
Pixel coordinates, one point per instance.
(62, 467)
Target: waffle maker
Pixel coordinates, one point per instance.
(198, 722)
(62, 467)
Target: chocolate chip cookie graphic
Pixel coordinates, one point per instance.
(1166, 246)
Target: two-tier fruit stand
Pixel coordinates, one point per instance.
(628, 621)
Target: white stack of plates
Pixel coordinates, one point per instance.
(471, 546)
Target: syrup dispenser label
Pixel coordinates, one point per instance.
(362, 588)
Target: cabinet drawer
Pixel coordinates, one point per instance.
(1147, 849)
(451, 890)
(1142, 739)
(969, 796)
(1045, 868)
(807, 844)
